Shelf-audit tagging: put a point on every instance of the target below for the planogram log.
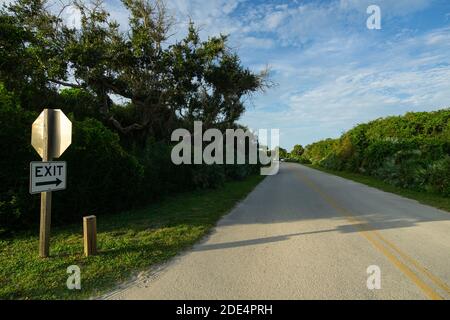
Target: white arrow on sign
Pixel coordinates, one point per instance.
(48, 176)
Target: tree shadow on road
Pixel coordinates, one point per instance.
(253, 242)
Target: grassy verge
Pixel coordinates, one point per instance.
(434, 200)
(128, 243)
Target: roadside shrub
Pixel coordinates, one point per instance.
(411, 169)
(377, 154)
(318, 151)
(15, 201)
(332, 162)
(410, 151)
(161, 177)
(438, 175)
(102, 177)
(301, 160)
(239, 172)
(204, 176)
(106, 173)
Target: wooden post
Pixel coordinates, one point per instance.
(90, 235)
(46, 197)
(44, 232)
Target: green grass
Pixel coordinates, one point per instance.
(128, 243)
(434, 200)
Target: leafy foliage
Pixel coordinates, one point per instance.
(298, 151)
(410, 151)
(125, 92)
(167, 85)
(283, 153)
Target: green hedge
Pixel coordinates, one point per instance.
(16, 153)
(104, 177)
(101, 174)
(411, 151)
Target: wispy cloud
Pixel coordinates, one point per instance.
(328, 98)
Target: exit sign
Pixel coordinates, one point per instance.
(48, 176)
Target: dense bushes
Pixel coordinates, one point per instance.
(16, 153)
(412, 151)
(319, 151)
(128, 92)
(100, 176)
(103, 176)
(439, 176)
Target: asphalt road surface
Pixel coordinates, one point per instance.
(304, 234)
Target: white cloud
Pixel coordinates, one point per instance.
(256, 43)
(212, 16)
(274, 19)
(72, 17)
(320, 95)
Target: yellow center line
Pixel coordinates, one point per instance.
(431, 276)
(368, 235)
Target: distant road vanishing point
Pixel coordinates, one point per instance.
(304, 234)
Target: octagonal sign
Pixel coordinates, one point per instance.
(59, 135)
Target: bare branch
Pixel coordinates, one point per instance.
(66, 84)
(128, 129)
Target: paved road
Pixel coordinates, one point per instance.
(304, 234)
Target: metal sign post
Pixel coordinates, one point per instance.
(51, 136)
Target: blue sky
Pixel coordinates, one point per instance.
(331, 71)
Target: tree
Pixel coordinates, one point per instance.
(166, 86)
(298, 151)
(283, 153)
(25, 43)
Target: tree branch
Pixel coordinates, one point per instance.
(128, 129)
(66, 84)
(108, 83)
